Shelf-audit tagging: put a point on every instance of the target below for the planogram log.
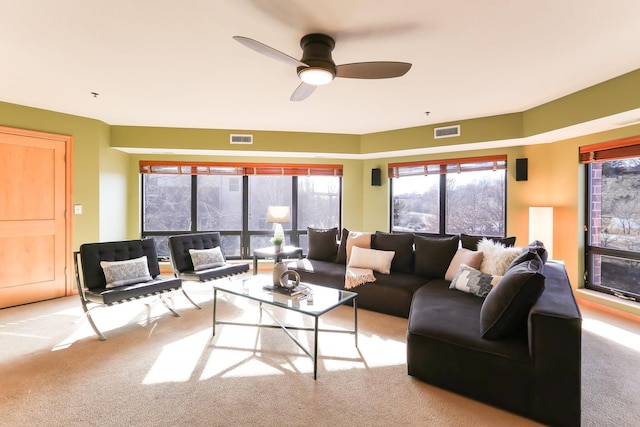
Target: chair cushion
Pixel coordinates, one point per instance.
(92, 254)
(179, 246)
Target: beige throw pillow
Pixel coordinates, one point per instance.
(468, 257)
(374, 259)
(360, 239)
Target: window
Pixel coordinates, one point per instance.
(233, 199)
(613, 231)
(449, 196)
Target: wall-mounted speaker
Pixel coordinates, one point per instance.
(522, 169)
(376, 176)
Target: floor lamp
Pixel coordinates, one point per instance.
(541, 226)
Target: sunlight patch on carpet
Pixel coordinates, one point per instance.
(612, 333)
(178, 360)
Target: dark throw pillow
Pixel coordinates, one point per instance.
(471, 242)
(401, 244)
(341, 257)
(507, 306)
(529, 252)
(433, 255)
(322, 244)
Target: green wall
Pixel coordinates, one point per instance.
(106, 179)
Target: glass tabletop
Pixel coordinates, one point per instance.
(323, 300)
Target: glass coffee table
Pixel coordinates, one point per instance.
(317, 302)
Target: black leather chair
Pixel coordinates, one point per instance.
(92, 284)
(182, 264)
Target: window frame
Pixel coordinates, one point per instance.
(244, 171)
(442, 168)
(619, 149)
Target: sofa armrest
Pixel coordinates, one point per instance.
(555, 343)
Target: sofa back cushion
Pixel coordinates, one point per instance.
(433, 255)
(401, 244)
(341, 256)
(506, 308)
(322, 244)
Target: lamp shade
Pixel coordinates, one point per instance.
(278, 214)
(541, 226)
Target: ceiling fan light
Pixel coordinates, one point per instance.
(316, 76)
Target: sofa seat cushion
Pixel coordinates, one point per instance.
(323, 273)
(138, 290)
(452, 316)
(444, 348)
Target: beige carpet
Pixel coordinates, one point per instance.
(159, 370)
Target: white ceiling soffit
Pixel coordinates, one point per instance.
(628, 118)
(175, 64)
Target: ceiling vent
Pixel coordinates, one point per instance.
(446, 132)
(241, 139)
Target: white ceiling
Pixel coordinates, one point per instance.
(174, 63)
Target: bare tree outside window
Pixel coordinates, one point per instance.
(474, 203)
(615, 225)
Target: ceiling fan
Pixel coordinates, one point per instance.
(316, 67)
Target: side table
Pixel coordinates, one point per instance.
(270, 253)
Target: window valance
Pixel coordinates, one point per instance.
(611, 150)
(241, 169)
(436, 167)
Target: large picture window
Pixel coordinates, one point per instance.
(180, 198)
(613, 231)
(449, 196)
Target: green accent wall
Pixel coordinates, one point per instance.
(106, 179)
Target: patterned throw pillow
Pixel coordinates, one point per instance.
(206, 258)
(473, 281)
(122, 273)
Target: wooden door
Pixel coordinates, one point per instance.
(35, 241)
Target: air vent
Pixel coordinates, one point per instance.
(241, 139)
(446, 132)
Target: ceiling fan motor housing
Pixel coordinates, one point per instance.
(316, 52)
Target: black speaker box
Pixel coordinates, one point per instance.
(522, 169)
(376, 176)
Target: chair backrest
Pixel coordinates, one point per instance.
(92, 253)
(179, 246)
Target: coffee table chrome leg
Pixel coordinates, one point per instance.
(215, 299)
(315, 350)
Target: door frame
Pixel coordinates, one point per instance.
(68, 216)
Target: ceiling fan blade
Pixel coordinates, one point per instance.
(302, 92)
(372, 70)
(268, 51)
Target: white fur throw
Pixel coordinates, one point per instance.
(496, 257)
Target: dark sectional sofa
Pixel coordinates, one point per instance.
(518, 348)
